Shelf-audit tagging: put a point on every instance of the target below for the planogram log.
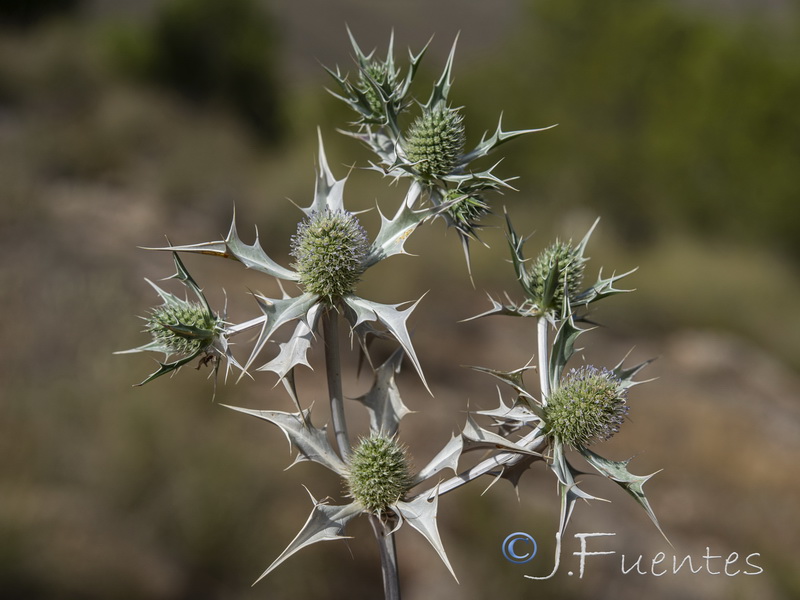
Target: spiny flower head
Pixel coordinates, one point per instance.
(329, 248)
(555, 274)
(435, 142)
(183, 327)
(378, 473)
(466, 211)
(377, 71)
(588, 406)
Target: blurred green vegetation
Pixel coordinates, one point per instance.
(667, 118)
(678, 127)
(209, 51)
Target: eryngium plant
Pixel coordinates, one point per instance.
(574, 408)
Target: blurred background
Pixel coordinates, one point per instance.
(127, 120)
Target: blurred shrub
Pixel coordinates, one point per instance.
(209, 51)
(25, 13)
(667, 118)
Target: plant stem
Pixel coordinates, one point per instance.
(391, 578)
(333, 368)
(544, 362)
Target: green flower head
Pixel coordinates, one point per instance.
(183, 327)
(379, 72)
(588, 406)
(555, 274)
(378, 473)
(435, 142)
(467, 210)
(329, 248)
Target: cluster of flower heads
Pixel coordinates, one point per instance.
(432, 149)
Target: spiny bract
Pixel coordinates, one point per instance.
(588, 406)
(466, 211)
(435, 141)
(183, 328)
(378, 473)
(330, 248)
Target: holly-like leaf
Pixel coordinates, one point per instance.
(617, 471)
(278, 313)
(394, 232)
(563, 349)
(311, 442)
(513, 378)
(446, 458)
(476, 437)
(420, 513)
(486, 145)
(294, 351)
(442, 87)
(232, 247)
(626, 376)
(325, 523)
(329, 191)
(522, 412)
(383, 400)
(602, 288)
(392, 318)
(513, 472)
(510, 310)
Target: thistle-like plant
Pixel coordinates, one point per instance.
(575, 408)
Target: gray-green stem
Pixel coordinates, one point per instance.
(333, 367)
(391, 577)
(544, 366)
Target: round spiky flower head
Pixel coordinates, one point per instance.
(435, 142)
(378, 473)
(588, 406)
(183, 327)
(330, 247)
(556, 273)
(467, 210)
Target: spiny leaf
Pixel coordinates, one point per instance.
(476, 437)
(446, 458)
(394, 232)
(383, 400)
(442, 87)
(182, 275)
(392, 318)
(311, 442)
(329, 191)
(294, 351)
(167, 367)
(421, 515)
(521, 412)
(277, 313)
(513, 378)
(618, 472)
(232, 247)
(325, 523)
(498, 137)
(563, 349)
(602, 288)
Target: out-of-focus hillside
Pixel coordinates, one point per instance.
(678, 127)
